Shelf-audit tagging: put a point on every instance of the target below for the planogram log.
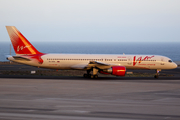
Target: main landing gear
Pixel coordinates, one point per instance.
(90, 76)
(157, 74)
(94, 75)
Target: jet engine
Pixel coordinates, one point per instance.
(115, 70)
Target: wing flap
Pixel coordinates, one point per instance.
(98, 65)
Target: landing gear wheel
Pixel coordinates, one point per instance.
(87, 75)
(156, 76)
(94, 76)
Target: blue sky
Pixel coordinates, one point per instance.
(92, 20)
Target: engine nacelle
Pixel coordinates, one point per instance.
(115, 70)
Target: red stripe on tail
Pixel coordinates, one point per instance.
(20, 43)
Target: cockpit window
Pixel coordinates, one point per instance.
(169, 60)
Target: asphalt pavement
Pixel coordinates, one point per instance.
(76, 98)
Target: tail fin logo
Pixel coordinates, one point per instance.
(21, 47)
(20, 43)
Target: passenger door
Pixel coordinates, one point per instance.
(162, 61)
(129, 61)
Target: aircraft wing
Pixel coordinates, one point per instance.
(100, 65)
(91, 64)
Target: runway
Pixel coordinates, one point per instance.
(76, 98)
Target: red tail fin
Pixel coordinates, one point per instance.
(20, 43)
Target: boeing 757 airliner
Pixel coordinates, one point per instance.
(117, 64)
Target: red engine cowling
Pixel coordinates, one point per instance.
(115, 70)
(119, 70)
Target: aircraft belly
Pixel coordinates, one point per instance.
(65, 65)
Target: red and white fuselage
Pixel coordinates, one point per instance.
(80, 61)
(115, 64)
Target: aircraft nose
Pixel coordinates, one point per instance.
(174, 65)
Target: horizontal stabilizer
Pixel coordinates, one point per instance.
(21, 58)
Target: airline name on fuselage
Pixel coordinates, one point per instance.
(140, 59)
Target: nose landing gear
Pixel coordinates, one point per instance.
(157, 74)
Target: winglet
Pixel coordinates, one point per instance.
(21, 45)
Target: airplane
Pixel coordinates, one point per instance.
(115, 64)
